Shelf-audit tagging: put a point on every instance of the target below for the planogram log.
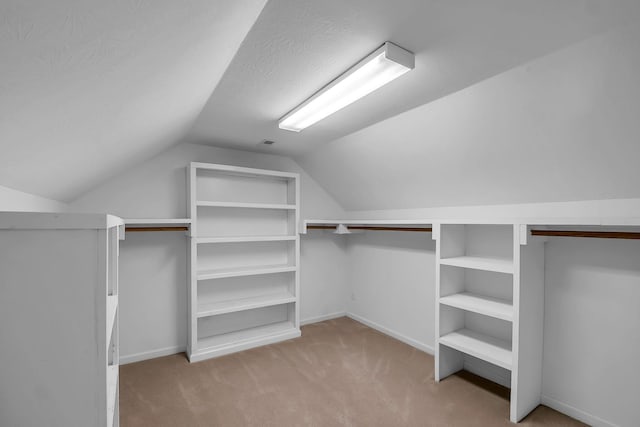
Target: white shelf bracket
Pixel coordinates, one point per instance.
(435, 231)
(342, 229)
(523, 230)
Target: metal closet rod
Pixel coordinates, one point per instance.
(371, 228)
(551, 233)
(593, 234)
(142, 229)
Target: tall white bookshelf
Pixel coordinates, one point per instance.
(490, 307)
(244, 258)
(59, 317)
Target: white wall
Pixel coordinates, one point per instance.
(561, 128)
(591, 330)
(324, 285)
(391, 283)
(153, 266)
(18, 201)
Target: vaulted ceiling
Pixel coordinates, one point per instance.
(89, 88)
(298, 46)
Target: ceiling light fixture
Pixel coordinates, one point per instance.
(379, 68)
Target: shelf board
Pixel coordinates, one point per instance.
(500, 265)
(493, 307)
(241, 239)
(224, 307)
(242, 171)
(112, 306)
(156, 221)
(245, 205)
(487, 348)
(112, 393)
(244, 271)
(219, 345)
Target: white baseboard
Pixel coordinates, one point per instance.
(322, 318)
(576, 413)
(146, 355)
(400, 337)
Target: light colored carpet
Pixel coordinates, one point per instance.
(340, 373)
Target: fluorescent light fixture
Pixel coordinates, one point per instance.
(379, 68)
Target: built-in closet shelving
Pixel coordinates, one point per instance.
(490, 291)
(489, 307)
(59, 317)
(244, 252)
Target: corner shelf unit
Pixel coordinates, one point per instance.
(59, 308)
(244, 258)
(490, 306)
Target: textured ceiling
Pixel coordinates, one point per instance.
(297, 46)
(90, 87)
(563, 127)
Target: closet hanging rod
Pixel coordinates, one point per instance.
(370, 228)
(593, 234)
(138, 229)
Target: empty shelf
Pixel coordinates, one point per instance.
(494, 307)
(112, 306)
(487, 348)
(241, 239)
(219, 345)
(245, 205)
(157, 221)
(223, 307)
(500, 265)
(244, 271)
(112, 393)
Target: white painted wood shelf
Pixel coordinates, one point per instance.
(157, 221)
(492, 307)
(112, 393)
(112, 307)
(220, 345)
(207, 309)
(485, 347)
(246, 293)
(498, 265)
(244, 239)
(77, 328)
(222, 273)
(213, 204)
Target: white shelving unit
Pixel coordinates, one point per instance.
(490, 306)
(59, 317)
(244, 252)
(493, 307)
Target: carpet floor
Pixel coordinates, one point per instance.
(339, 373)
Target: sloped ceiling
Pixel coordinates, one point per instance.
(88, 87)
(561, 128)
(298, 46)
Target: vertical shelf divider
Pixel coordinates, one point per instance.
(470, 332)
